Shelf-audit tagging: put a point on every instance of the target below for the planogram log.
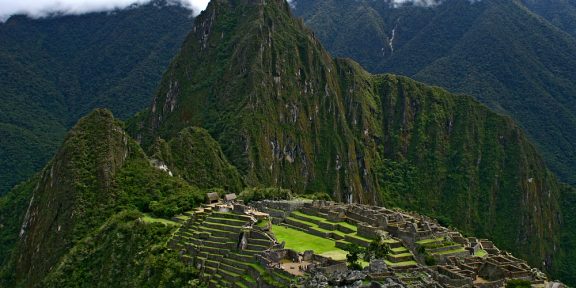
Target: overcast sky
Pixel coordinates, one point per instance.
(41, 8)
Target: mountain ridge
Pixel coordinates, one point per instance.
(269, 99)
(55, 70)
(287, 114)
(505, 54)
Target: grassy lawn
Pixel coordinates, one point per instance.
(149, 219)
(302, 241)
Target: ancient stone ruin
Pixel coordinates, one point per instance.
(236, 245)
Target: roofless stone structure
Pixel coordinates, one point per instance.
(236, 245)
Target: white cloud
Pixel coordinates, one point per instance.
(398, 3)
(43, 8)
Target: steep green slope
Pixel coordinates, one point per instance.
(500, 52)
(124, 252)
(98, 172)
(561, 13)
(287, 114)
(196, 157)
(54, 70)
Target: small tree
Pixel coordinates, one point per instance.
(354, 253)
(377, 250)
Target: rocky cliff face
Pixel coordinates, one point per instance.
(287, 114)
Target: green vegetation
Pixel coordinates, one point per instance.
(258, 194)
(302, 241)
(518, 284)
(288, 115)
(285, 114)
(98, 172)
(358, 256)
(354, 255)
(127, 253)
(481, 253)
(429, 260)
(502, 53)
(197, 158)
(149, 219)
(55, 70)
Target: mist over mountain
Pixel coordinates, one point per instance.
(517, 57)
(53, 8)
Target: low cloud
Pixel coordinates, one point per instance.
(425, 3)
(44, 8)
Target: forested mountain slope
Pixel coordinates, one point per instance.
(501, 52)
(55, 70)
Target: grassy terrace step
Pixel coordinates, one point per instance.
(256, 247)
(240, 285)
(229, 215)
(401, 264)
(358, 240)
(260, 242)
(266, 275)
(232, 269)
(448, 252)
(392, 243)
(233, 262)
(241, 258)
(430, 241)
(250, 252)
(211, 263)
(220, 245)
(292, 227)
(398, 250)
(213, 250)
(309, 218)
(219, 233)
(229, 276)
(213, 283)
(325, 223)
(300, 223)
(398, 258)
(229, 221)
(224, 227)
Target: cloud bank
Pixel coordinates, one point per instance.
(43, 8)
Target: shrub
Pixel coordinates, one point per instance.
(258, 194)
(429, 260)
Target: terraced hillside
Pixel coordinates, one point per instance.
(290, 243)
(343, 234)
(212, 241)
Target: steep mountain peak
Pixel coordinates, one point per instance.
(62, 204)
(286, 114)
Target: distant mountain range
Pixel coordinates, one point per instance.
(517, 57)
(55, 70)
